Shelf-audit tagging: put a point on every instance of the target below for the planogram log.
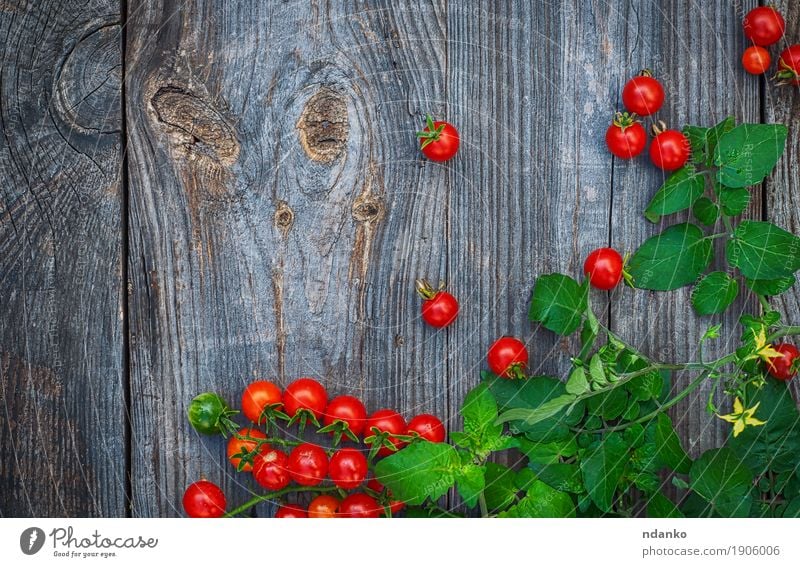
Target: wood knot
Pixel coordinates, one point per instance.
(87, 93)
(324, 126)
(199, 128)
(367, 208)
(284, 217)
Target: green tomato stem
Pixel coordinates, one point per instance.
(277, 494)
(482, 503)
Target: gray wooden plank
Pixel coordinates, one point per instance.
(62, 381)
(279, 215)
(697, 57)
(782, 104)
(531, 87)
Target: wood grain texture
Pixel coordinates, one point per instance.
(279, 211)
(782, 189)
(295, 252)
(61, 333)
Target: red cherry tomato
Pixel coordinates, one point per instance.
(239, 447)
(308, 464)
(626, 137)
(508, 357)
(438, 140)
(305, 394)
(789, 66)
(323, 506)
(670, 149)
(348, 468)
(394, 505)
(756, 60)
(360, 505)
(270, 469)
(349, 410)
(764, 25)
(291, 511)
(643, 95)
(439, 307)
(204, 499)
(604, 268)
(785, 366)
(258, 396)
(387, 421)
(428, 427)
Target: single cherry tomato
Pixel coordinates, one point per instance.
(626, 137)
(239, 447)
(789, 66)
(428, 427)
(349, 410)
(390, 422)
(204, 499)
(764, 25)
(291, 511)
(323, 506)
(604, 268)
(438, 140)
(305, 394)
(348, 468)
(308, 464)
(270, 469)
(508, 357)
(396, 506)
(208, 413)
(643, 95)
(670, 149)
(756, 60)
(785, 366)
(439, 307)
(360, 505)
(258, 396)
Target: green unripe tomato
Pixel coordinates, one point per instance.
(205, 412)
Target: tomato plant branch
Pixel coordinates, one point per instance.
(275, 495)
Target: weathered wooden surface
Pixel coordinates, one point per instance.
(62, 377)
(278, 211)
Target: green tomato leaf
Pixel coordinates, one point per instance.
(669, 451)
(420, 471)
(746, 154)
(771, 287)
(609, 405)
(722, 480)
(659, 506)
(470, 482)
(558, 303)
(706, 211)
(697, 136)
(548, 453)
(577, 383)
(531, 394)
(542, 501)
(733, 200)
(501, 490)
(774, 446)
(565, 477)
(763, 251)
(529, 417)
(678, 193)
(481, 435)
(602, 468)
(672, 259)
(714, 293)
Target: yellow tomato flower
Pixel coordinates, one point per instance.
(741, 418)
(763, 349)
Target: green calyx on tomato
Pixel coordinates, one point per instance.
(431, 134)
(210, 415)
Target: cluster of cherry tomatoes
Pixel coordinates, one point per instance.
(764, 26)
(307, 465)
(626, 138)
